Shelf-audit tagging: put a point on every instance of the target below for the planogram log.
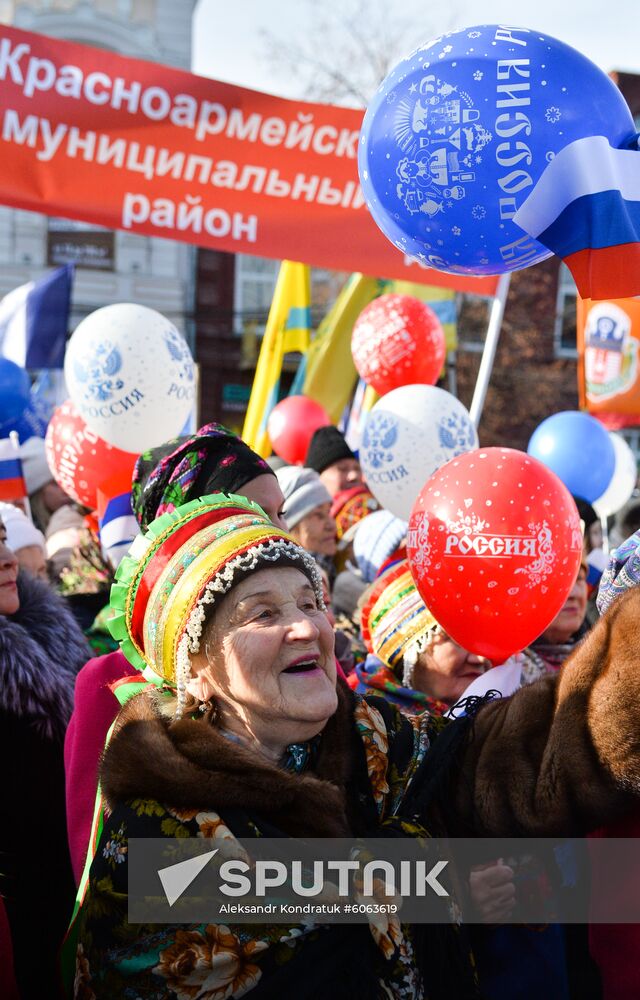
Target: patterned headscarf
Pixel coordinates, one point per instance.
(622, 573)
(188, 559)
(349, 507)
(210, 461)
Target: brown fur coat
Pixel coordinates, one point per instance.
(559, 757)
(562, 755)
(190, 765)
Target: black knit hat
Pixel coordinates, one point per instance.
(327, 446)
(586, 512)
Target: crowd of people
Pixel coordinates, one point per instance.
(264, 666)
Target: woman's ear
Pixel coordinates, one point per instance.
(200, 686)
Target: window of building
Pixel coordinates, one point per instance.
(255, 281)
(564, 334)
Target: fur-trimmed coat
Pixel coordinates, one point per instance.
(41, 651)
(558, 758)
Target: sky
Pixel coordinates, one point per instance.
(227, 44)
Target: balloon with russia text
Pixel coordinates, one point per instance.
(494, 545)
(131, 376)
(407, 435)
(459, 133)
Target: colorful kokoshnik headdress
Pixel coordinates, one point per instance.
(395, 620)
(187, 559)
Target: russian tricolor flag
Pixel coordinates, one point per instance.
(586, 209)
(117, 523)
(12, 484)
(34, 319)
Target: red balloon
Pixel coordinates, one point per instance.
(80, 460)
(494, 546)
(291, 425)
(398, 340)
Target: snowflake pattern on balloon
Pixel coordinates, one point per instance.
(543, 565)
(553, 115)
(478, 211)
(456, 433)
(438, 132)
(178, 351)
(380, 434)
(478, 74)
(418, 543)
(98, 370)
(467, 524)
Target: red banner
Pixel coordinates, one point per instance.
(153, 150)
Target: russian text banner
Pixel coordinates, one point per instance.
(134, 145)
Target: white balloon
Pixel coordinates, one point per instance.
(623, 481)
(131, 375)
(408, 434)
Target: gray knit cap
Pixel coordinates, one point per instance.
(303, 491)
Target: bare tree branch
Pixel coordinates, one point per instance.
(349, 49)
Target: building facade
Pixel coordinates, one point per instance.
(110, 266)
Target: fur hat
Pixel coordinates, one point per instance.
(35, 468)
(376, 539)
(303, 492)
(189, 559)
(328, 445)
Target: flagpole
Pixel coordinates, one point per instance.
(490, 348)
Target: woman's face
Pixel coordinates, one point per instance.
(316, 532)
(31, 558)
(9, 600)
(268, 658)
(445, 670)
(571, 615)
(265, 491)
(54, 496)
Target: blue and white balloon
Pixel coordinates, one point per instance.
(408, 434)
(578, 449)
(131, 375)
(461, 130)
(623, 482)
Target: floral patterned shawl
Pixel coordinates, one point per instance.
(305, 961)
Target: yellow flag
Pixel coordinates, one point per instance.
(327, 373)
(288, 329)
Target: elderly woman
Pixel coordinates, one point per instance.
(412, 662)
(25, 540)
(211, 459)
(558, 640)
(307, 510)
(243, 731)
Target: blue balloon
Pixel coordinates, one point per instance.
(459, 133)
(32, 422)
(15, 386)
(578, 449)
